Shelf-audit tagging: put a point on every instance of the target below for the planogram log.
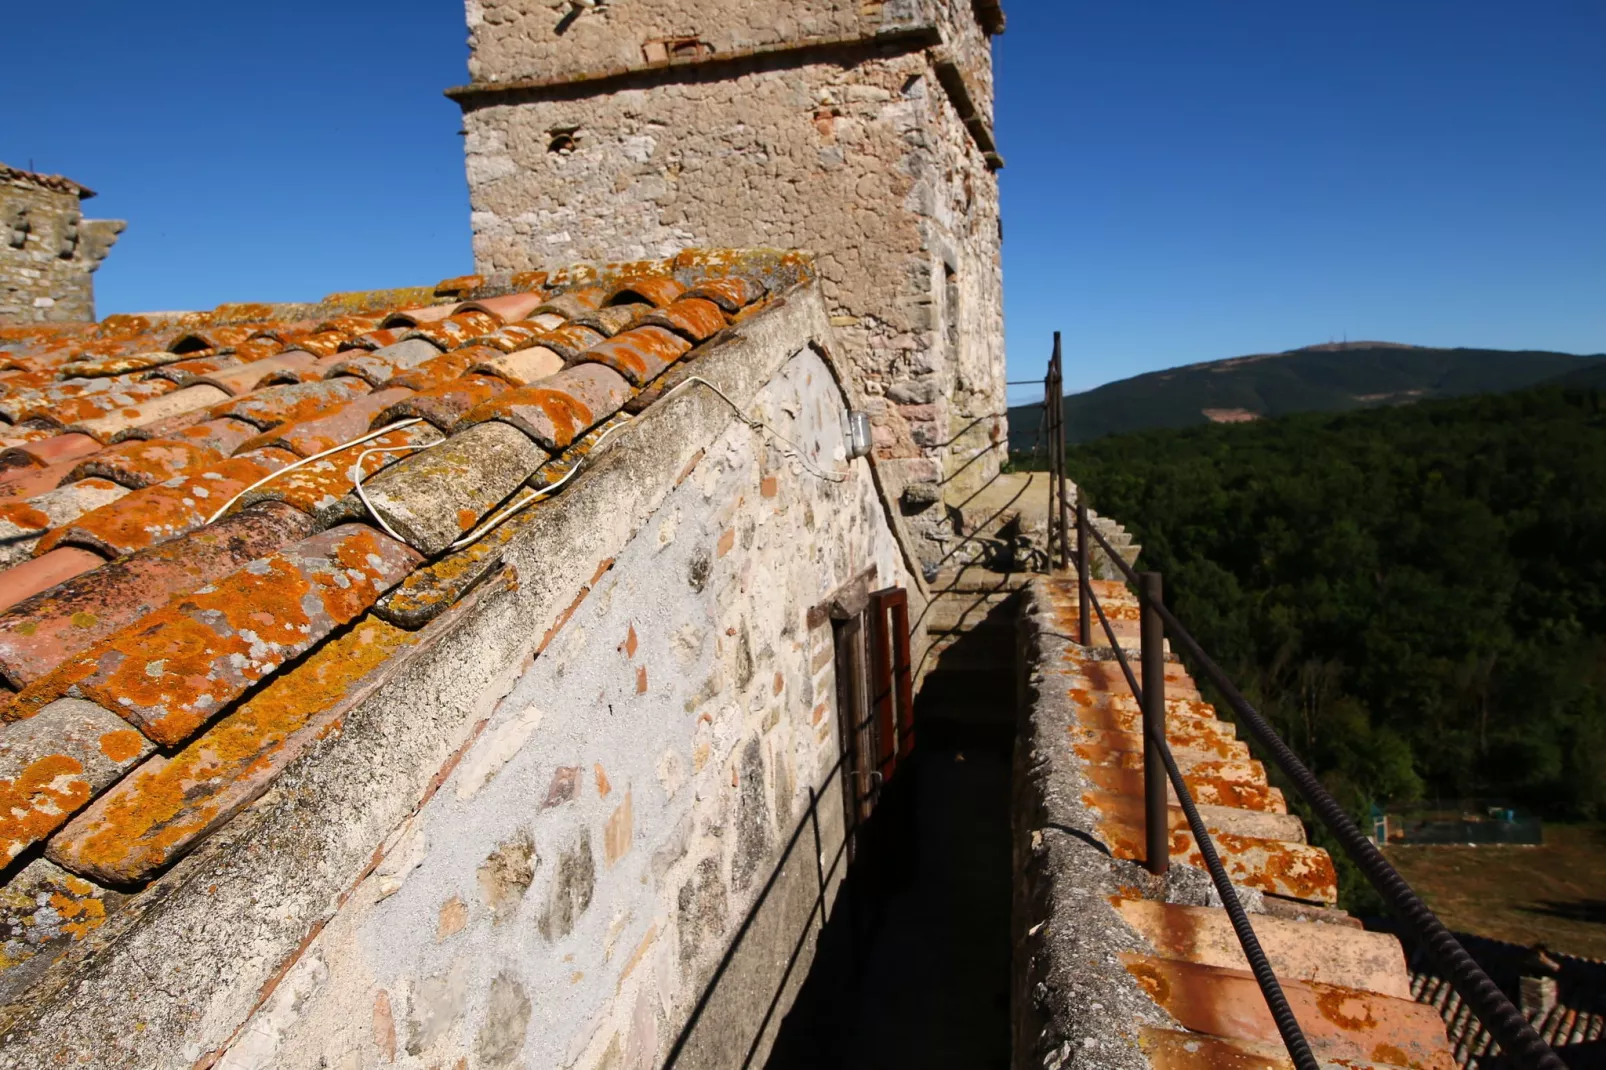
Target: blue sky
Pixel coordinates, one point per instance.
(1185, 180)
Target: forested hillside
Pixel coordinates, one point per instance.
(1336, 377)
(1416, 595)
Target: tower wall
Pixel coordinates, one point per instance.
(841, 129)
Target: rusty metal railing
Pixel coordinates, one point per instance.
(1510, 1029)
(1515, 1035)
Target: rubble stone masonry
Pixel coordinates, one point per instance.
(859, 131)
(48, 251)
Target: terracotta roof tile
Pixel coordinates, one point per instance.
(455, 330)
(244, 378)
(732, 293)
(574, 303)
(656, 290)
(39, 634)
(431, 590)
(331, 428)
(276, 405)
(52, 450)
(695, 319)
(611, 320)
(43, 572)
(27, 482)
(54, 763)
(446, 404)
(118, 401)
(521, 367)
(378, 367)
(433, 497)
(508, 308)
(190, 399)
(322, 488)
(638, 354)
(155, 514)
(23, 521)
(170, 671)
(156, 814)
(438, 371)
(143, 463)
(559, 408)
(45, 911)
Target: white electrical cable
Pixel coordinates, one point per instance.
(271, 476)
(513, 508)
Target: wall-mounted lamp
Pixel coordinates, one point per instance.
(856, 429)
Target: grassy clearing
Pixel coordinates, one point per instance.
(1555, 894)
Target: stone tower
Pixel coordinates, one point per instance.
(48, 250)
(858, 130)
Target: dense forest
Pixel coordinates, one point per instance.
(1416, 596)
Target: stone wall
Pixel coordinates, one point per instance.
(564, 898)
(858, 155)
(48, 252)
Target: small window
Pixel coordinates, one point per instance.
(564, 140)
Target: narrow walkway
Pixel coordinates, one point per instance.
(913, 968)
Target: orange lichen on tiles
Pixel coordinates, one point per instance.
(38, 799)
(148, 819)
(146, 517)
(172, 670)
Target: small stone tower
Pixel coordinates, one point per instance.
(857, 130)
(48, 250)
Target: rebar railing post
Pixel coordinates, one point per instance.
(1084, 573)
(1063, 517)
(1156, 827)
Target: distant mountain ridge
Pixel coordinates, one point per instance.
(1330, 377)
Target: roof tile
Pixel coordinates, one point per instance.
(693, 318)
(143, 463)
(172, 670)
(434, 497)
(383, 364)
(52, 450)
(244, 378)
(442, 369)
(332, 428)
(40, 633)
(190, 401)
(507, 308)
(277, 405)
(656, 290)
(44, 911)
(572, 303)
(639, 354)
(560, 407)
(444, 405)
(155, 514)
(322, 488)
(732, 293)
(55, 762)
(611, 320)
(42, 572)
(156, 814)
(23, 521)
(521, 367)
(455, 330)
(431, 590)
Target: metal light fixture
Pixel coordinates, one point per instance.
(856, 429)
